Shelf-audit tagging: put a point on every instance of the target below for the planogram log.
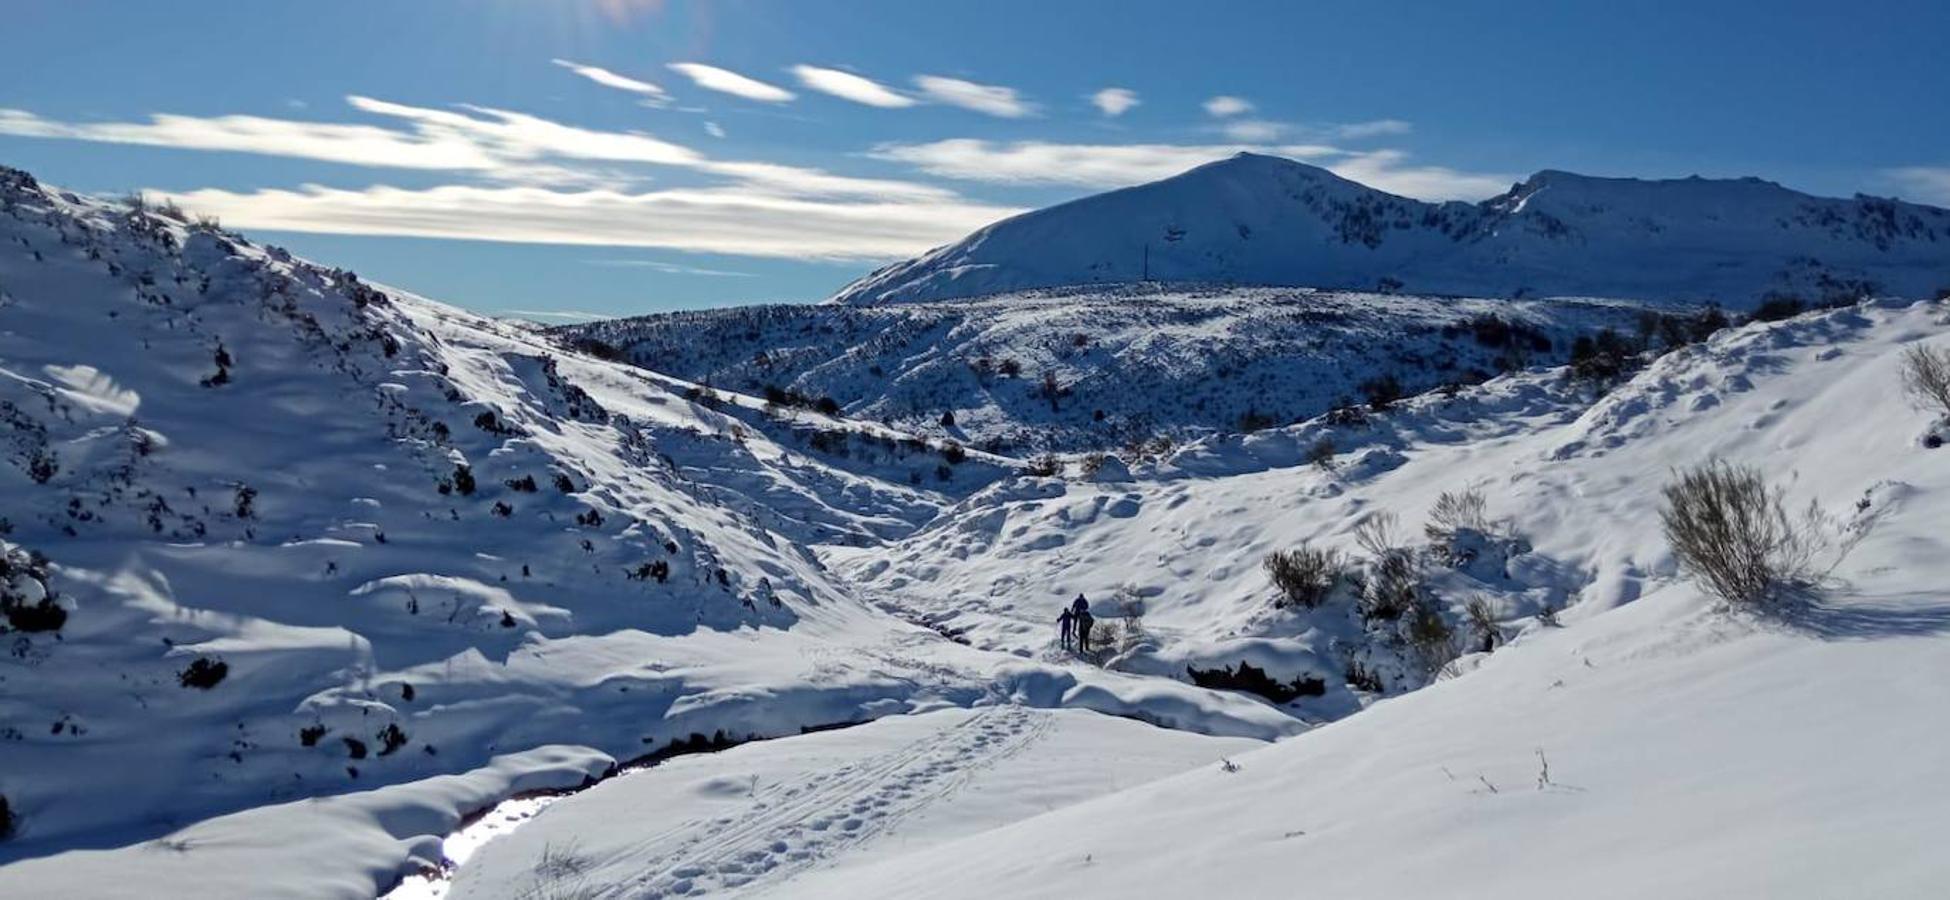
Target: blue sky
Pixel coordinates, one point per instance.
(571, 157)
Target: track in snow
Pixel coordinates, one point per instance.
(793, 826)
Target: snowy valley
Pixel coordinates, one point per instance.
(303, 574)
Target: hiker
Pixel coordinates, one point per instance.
(1064, 624)
(1080, 614)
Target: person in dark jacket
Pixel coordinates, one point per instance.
(1084, 622)
(1065, 624)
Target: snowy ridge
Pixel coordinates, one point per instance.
(1262, 220)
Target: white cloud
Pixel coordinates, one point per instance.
(1085, 165)
(1223, 106)
(359, 145)
(714, 129)
(666, 268)
(494, 144)
(725, 81)
(1120, 165)
(993, 100)
(1387, 170)
(711, 220)
(1931, 184)
(610, 79)
(1377, 128)
(1114, 101)
(848, 86)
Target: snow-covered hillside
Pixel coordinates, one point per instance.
(299, 573)
(1107, 367)
(1265, 220)
(304, 536)
(1651, 743)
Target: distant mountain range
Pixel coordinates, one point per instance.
(1264, 220)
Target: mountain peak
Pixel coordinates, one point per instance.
(1253, 218)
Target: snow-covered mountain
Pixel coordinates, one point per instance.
(1261, 220)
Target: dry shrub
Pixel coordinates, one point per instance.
(1733, 533)
(1304, 576)
(1457, 512)
(1926, 376)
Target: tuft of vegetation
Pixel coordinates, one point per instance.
(463, 480)
(1381, 392)
(1393, 584)
(25, 599)
(1778, 307)
(1455, 513)
(204, 673)
(1362, 678)
(1254, 680)
(390, 738)
(1602, 359)
(1253, 420)
(1430, 636)
(1304, 576)
(1482, 620)
(1732, 532)
(1926, 376)
(1321, 454)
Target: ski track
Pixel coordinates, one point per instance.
(793, 826)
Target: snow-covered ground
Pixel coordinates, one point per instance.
(313, 537)
(1060, 369)
(315, 617)
(754, 817)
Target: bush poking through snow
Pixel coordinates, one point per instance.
(464, 480)
(1430, 636)
(204, 673)
(1393, 585)
(1362, 678)
(25, 599)
(1254, 680)
(391, 738)
(1457, 512)
(1732, 532)
(1926, 377)
(1382, 391)
(1321, 454)
(1304, 576)
(1482, 620)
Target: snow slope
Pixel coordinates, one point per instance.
(1690, 751)
(314, 537)
(1208, 358)
(232, 456)
(1654, 745)
(1265, 220)
(760, 814)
